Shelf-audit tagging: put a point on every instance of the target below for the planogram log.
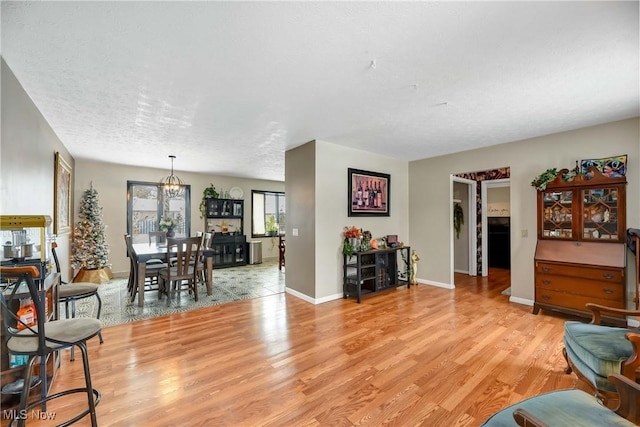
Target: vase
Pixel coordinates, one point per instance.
(355, 242)
(171, 232)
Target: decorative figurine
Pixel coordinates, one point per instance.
(415, 258)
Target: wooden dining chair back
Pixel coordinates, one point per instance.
(151, 272)
(281, 251)
(187, 254)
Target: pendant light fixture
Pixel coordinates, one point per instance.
(172, 185)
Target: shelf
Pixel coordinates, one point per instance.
(378, 270)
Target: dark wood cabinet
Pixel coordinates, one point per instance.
(580, 253)
(225, 221)
(229, 251)
(373, 271)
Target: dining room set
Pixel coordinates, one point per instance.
(169, 265)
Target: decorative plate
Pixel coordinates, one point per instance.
(236, 193)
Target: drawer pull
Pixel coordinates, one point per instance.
(546, 297)
(546, 281)
(546, 269)
(608, 276)
(608, 290)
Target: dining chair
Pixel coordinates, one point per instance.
(200, 268)
(69, 293)
(187, 252)
(281, 251)
(39, 342)
(151, 273)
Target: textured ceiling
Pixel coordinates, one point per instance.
(229, 86)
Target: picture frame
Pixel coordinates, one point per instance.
(62, 196)
(369, 193)
(611, 167)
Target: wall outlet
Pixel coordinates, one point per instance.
(525, 233)
(294, 231)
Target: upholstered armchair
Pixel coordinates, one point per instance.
(594, 351)
(572, 407)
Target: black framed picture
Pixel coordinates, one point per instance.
(369, 193)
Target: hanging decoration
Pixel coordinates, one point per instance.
(458, 218)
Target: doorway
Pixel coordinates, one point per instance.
(464, 240)
(496, 224)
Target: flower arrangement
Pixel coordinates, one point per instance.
(351, 236)
(168, 222)
(352, 233)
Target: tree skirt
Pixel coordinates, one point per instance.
(99, 275)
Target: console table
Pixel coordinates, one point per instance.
(376, 270)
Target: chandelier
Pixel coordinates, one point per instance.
(172, 185)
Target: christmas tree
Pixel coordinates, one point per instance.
(89, 248)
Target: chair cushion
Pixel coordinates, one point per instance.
(600, 383)
(81, 289)
(68, 330)
(601, 348)
(174, 271)
(561, 408)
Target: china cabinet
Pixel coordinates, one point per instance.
(373, 271)
(580, 253)
(225, 220)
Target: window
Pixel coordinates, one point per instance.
(147, 203)
(268, 216)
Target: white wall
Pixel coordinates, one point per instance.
(332, 162)
(28, 147)
(429, 186)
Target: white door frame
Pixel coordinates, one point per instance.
(471, 224)
(492, 183)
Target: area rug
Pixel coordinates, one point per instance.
(229, 284)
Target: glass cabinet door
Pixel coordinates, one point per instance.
(600, 214)
(557, 214)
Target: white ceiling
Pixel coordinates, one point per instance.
(229, 86)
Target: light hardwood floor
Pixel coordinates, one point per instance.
(418, 356)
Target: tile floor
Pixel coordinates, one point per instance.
(229, 284)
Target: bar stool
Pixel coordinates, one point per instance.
(69, 293)
(41, 341)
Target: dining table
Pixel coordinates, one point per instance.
(147, 251)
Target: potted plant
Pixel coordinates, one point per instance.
(352, 240)
(271, 227)
(208, 193)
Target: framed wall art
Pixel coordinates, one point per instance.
(611, 167)
(369, 193)
(62, 196)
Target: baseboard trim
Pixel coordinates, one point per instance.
(523, 301)
(314, 301)
(437, 284)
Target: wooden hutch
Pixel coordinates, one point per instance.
(580, 253)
